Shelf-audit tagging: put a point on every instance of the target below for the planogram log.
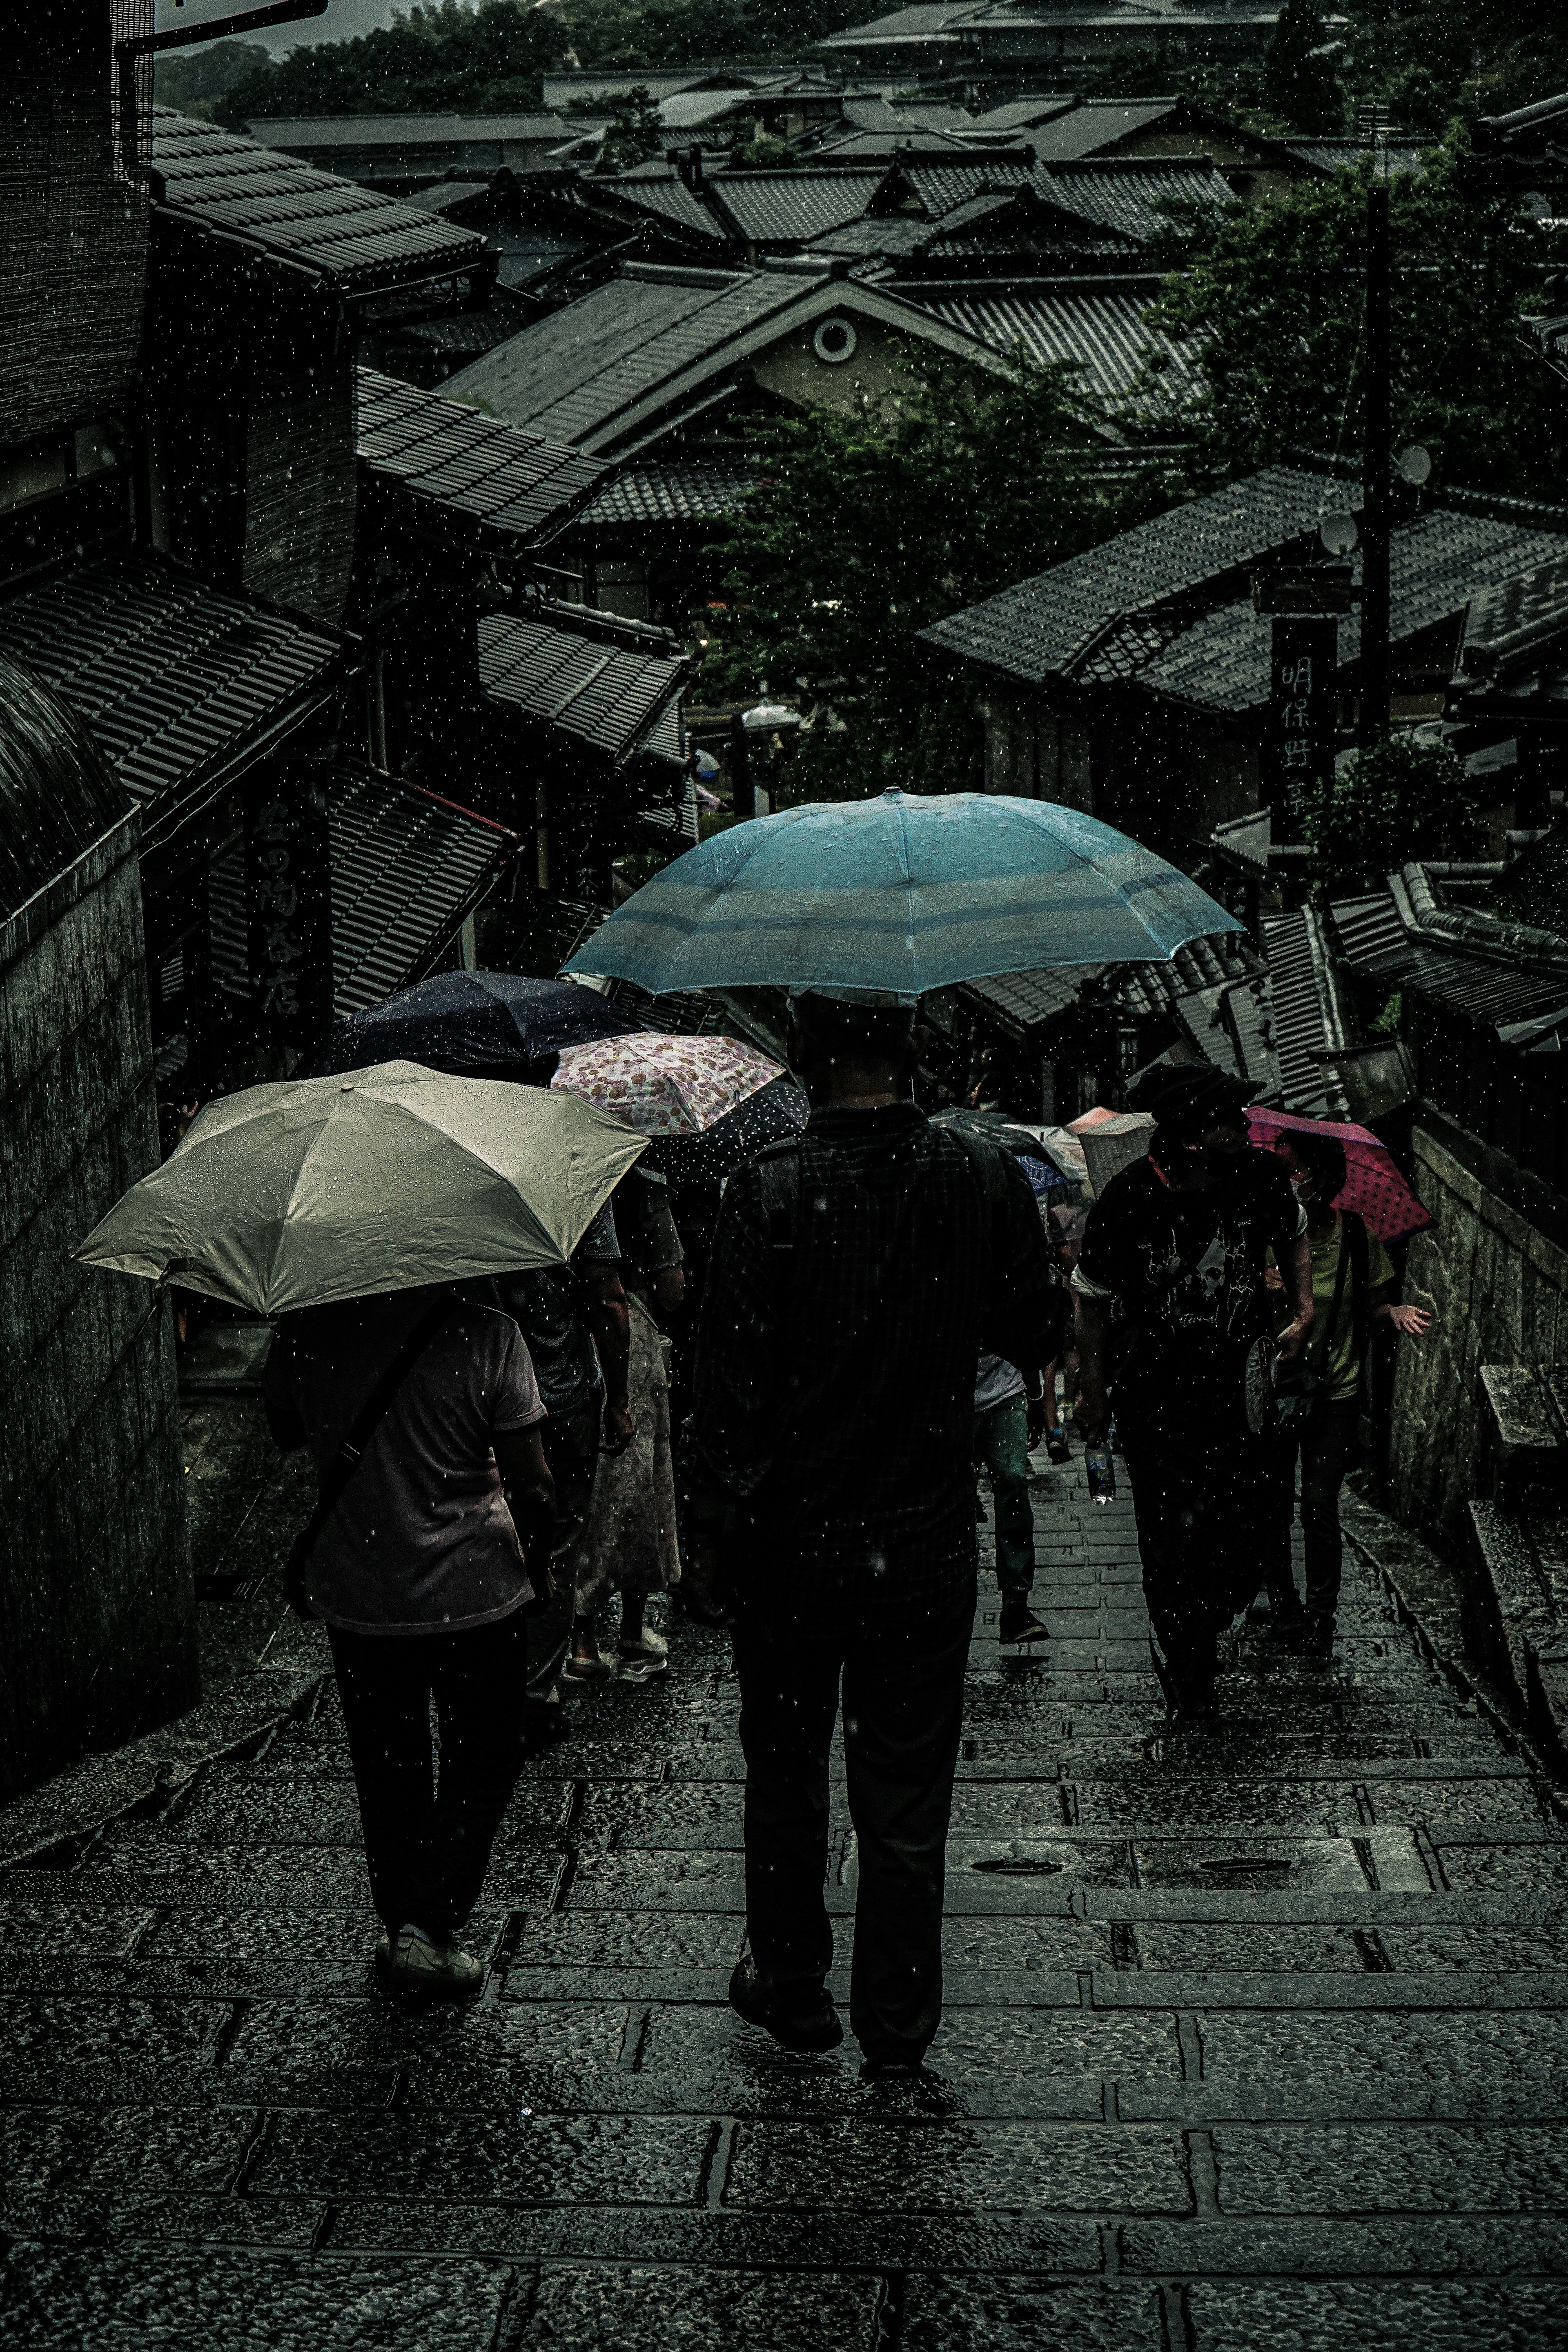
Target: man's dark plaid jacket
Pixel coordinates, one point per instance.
(835, 1376)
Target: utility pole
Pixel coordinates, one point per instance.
(1378, 467)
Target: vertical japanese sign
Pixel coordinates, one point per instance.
(1298, 738)
(288, 881)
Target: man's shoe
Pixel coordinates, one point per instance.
(892, 2070)
(640, 1665)
(1019, 1623)
(1057, 1447)
(807, 2025)
(439, 1971)
(1317, 1639)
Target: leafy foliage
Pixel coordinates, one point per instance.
(633, 135)
(871, 525)
(1300, 84)
(1403, 799)
(1271, 302)
(435, 59)
(445, 56)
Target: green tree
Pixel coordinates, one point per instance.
(867, 526)
(442, 59)
(1270, 308)
(1403, 799)
(633, 136)
(1300, 83)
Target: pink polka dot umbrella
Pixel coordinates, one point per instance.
(1373, 1188)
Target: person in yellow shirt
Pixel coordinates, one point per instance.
(1351, 1279)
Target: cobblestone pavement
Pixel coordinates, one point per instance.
(1253, 2041)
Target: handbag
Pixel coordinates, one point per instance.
(351, 1453)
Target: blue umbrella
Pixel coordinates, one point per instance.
(905, 892)
(468, 1022)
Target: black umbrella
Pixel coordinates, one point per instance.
(1047, 1181)
(470, 1022)
(774, 1111)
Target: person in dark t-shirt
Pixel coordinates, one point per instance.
(1171, 1311)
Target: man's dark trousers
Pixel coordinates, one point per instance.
(1203, 1502)
(902, 1662)
(429, 1848)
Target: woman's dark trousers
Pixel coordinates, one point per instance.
(428, 1841)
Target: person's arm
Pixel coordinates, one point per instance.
(1293, 1337)
(610, 1322)
(1413, 1322)
(530, 1497)
(1092, 1414)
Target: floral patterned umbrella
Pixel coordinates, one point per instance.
(665, 1085)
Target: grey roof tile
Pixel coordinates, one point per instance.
(1096, 323)
(672, 200)
(570, 374)
(687, 490)
(605, 694)
(176, 679)
(791, 207)
(349, 234)
(483, 475)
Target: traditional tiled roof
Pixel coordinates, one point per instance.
(583, 674)
(1098, 124)
(476, 473)
(1047, 624)
(668, 196)
(1436, 563)
(1400, 155)
(402, 129)
(791, 208)
(634, 358)
(1506, 624)
(407, 868)
(181, 683)
(1302, 1031)
(941, 185)
(696, 489)
(260, 200)
(1096, 323)
(1023, 113)
(571, 373)
(1130, 196)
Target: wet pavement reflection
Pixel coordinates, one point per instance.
(1255, 2037)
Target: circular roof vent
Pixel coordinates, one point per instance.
(835, 342)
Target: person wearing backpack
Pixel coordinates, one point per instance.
(857, 1273)
(427, 1549)
(1320, 1411)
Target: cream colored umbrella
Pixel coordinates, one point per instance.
(292, 1194)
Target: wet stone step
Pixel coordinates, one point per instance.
(516, 2160)
(931, 2168)
(1502, 2315)
(181, 2296)
(1474, 2245)
(1368, 2168)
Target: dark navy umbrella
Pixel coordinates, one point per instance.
(776, 1112)
(468, 1022)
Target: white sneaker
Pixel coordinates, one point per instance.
(648, 1645)
(443, 1971)
(641, 1665)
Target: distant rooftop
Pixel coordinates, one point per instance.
(258, 196)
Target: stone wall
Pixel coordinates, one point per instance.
(97, 1630)
(1498, 1290)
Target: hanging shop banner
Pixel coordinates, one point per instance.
(1298, 736)
(287, 880)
